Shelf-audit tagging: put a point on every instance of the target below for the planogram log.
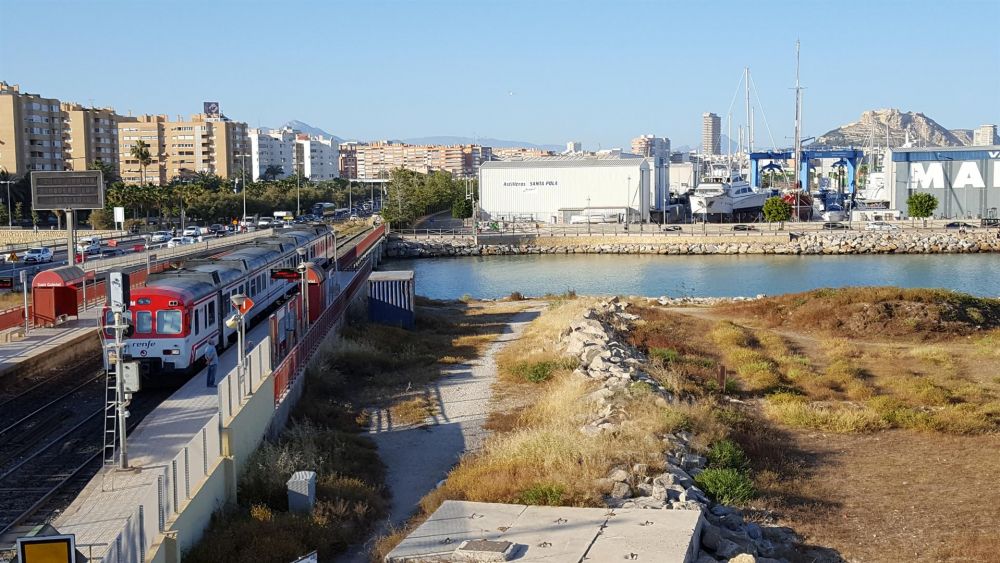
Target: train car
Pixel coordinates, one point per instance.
(181, 311)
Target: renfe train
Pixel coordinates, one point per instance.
(181, 311)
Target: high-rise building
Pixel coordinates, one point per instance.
(348, 160)
(573, 147)
(31, 132)
(269, 148)
(376, 161)
(317, 157)
(651, 145)
(92, 136)
(984, 136)
(183, 149)
(656, 150)
(711, 134)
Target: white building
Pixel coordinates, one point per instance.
(272, 148)
(554, 189)
(317, 157)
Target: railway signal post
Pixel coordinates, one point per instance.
(303, 273)
(242, 304)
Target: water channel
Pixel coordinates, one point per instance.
(697, 276)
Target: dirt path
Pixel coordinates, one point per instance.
(418, 457)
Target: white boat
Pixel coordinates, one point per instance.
(719, 195)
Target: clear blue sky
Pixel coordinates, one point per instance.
(600, 72)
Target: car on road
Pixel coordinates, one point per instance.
(744, 228)
(110, 252)
(671, 228)
(160, 237)
(959, 225)
(834, 226)
(192, 231)
(218, 229)
(37, 255)
(89, 246)
(881, 226)
(180, 241)
(264, 224)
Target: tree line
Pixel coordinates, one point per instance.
(411, 195)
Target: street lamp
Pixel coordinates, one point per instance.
(243, 173)
(238, 321)
(303, 270)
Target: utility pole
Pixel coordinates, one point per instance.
(243, 173)
(298, 183)
(120, 327)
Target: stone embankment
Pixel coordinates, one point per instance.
(596, 340)
(765, 243)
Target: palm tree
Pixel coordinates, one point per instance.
(272, 172)
(140, 152)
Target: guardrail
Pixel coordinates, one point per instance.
(60, 242)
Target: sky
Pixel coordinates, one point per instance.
(600, 72)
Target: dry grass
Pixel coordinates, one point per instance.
(413, 411)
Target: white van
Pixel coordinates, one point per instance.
(89, 245)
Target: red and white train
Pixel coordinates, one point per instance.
(180, 311)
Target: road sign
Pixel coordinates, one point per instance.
(67, 190)
(310, 558)
(47, 549)
(119, 215)
(247, 305)
(12, 257)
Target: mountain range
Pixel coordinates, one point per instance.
(917, 127)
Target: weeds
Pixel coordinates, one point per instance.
(726, 486)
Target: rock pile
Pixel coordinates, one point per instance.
(875, 242)
(595, 340)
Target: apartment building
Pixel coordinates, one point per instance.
(984, 136)
(91, 136)
(317, 157)
(31, 132)
(183, 149)
(270, 147)
(519, 153)
(376, 161)
(348, 160)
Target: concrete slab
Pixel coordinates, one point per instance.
(555, 533)
(46, 347)
(664, 536)
(454, 522)
(552, 534)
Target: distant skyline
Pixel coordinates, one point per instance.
(542, 72)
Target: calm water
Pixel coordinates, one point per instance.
(497, 276)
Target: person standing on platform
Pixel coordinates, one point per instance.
(212, 359)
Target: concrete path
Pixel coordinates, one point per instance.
(417, 458)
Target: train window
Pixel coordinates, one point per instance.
(196, 322)
(144, 322)
(211, 315)
(253, 287)
(168, 322)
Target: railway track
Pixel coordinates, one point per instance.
(49, 454)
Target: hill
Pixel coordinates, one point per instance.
(923, 131)
(309, 129)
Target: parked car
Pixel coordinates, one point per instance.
(834, 226)
(744, 228)
(959, 225)
(37, 255)
(192, 231)
(160, 237)
(880, 226)
(180, 241)
(89, 246)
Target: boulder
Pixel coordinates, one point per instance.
(620, 491)
(619, 475)
(743, 558)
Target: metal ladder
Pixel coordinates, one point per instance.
(110, 410)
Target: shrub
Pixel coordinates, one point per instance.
(539, 371)
(542, 494)
(726, 486)
(665, 355)
(726, 454)
(516, 296)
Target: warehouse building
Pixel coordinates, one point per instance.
(563, 189)
(965, 180)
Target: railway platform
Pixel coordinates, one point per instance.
(45, 347)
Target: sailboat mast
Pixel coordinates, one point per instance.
(746, 83)
(798, 119)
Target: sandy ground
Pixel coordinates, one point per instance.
(418, 457)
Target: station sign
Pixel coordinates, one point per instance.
(67, 190)
(47, 549)
(290, 274)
